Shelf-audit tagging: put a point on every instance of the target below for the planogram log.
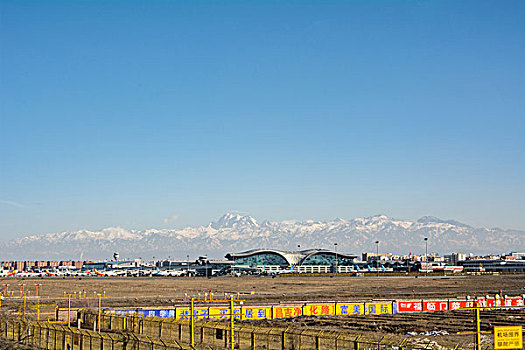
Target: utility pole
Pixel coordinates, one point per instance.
(99, 311)
(478, 327)
(69, 310)
(336, 261)
(192, 323)
(426, 256)
(206, 265)
(377, 257)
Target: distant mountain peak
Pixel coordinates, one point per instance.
(429, 218)
(233, 220)
(379, 217)
(433, 219)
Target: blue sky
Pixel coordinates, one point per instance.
(128, 113)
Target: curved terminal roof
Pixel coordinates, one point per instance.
(293, 258)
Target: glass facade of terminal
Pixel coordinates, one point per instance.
(326, 259)
(262, 259)
(275, 259)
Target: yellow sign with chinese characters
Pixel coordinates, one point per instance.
(508, 337)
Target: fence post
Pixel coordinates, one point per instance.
(33, 334)
(336, 339)
(283, 339)
(69, 310)
(101, 342)
(48, 336)
(63, 339)
(150, 342)
(25, 305)
(268, 338)
(40, 336)
(318, 340)
(356, 342)
(226, 338)
(379, 343)
(402, 345)
(202, 326)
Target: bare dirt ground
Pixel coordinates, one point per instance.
(157, 291)
(279, 289)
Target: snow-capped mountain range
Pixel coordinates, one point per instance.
(234, 233)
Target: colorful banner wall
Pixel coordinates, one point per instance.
(378, 308)
(321, 309)
(435, 305)
(350, 309)
(256, 313)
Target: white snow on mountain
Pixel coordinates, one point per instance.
(234, 232)
(234, 221)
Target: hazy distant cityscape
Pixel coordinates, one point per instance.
(272, 261)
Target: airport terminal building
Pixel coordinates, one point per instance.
(304, 261)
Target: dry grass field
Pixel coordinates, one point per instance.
(157, 290)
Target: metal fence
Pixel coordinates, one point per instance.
(119, 332)
(45, 335)
(217, 335)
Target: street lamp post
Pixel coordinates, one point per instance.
(426, 256)
(206, 265)
(188, 265)
(335, 245)
(377, 257)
